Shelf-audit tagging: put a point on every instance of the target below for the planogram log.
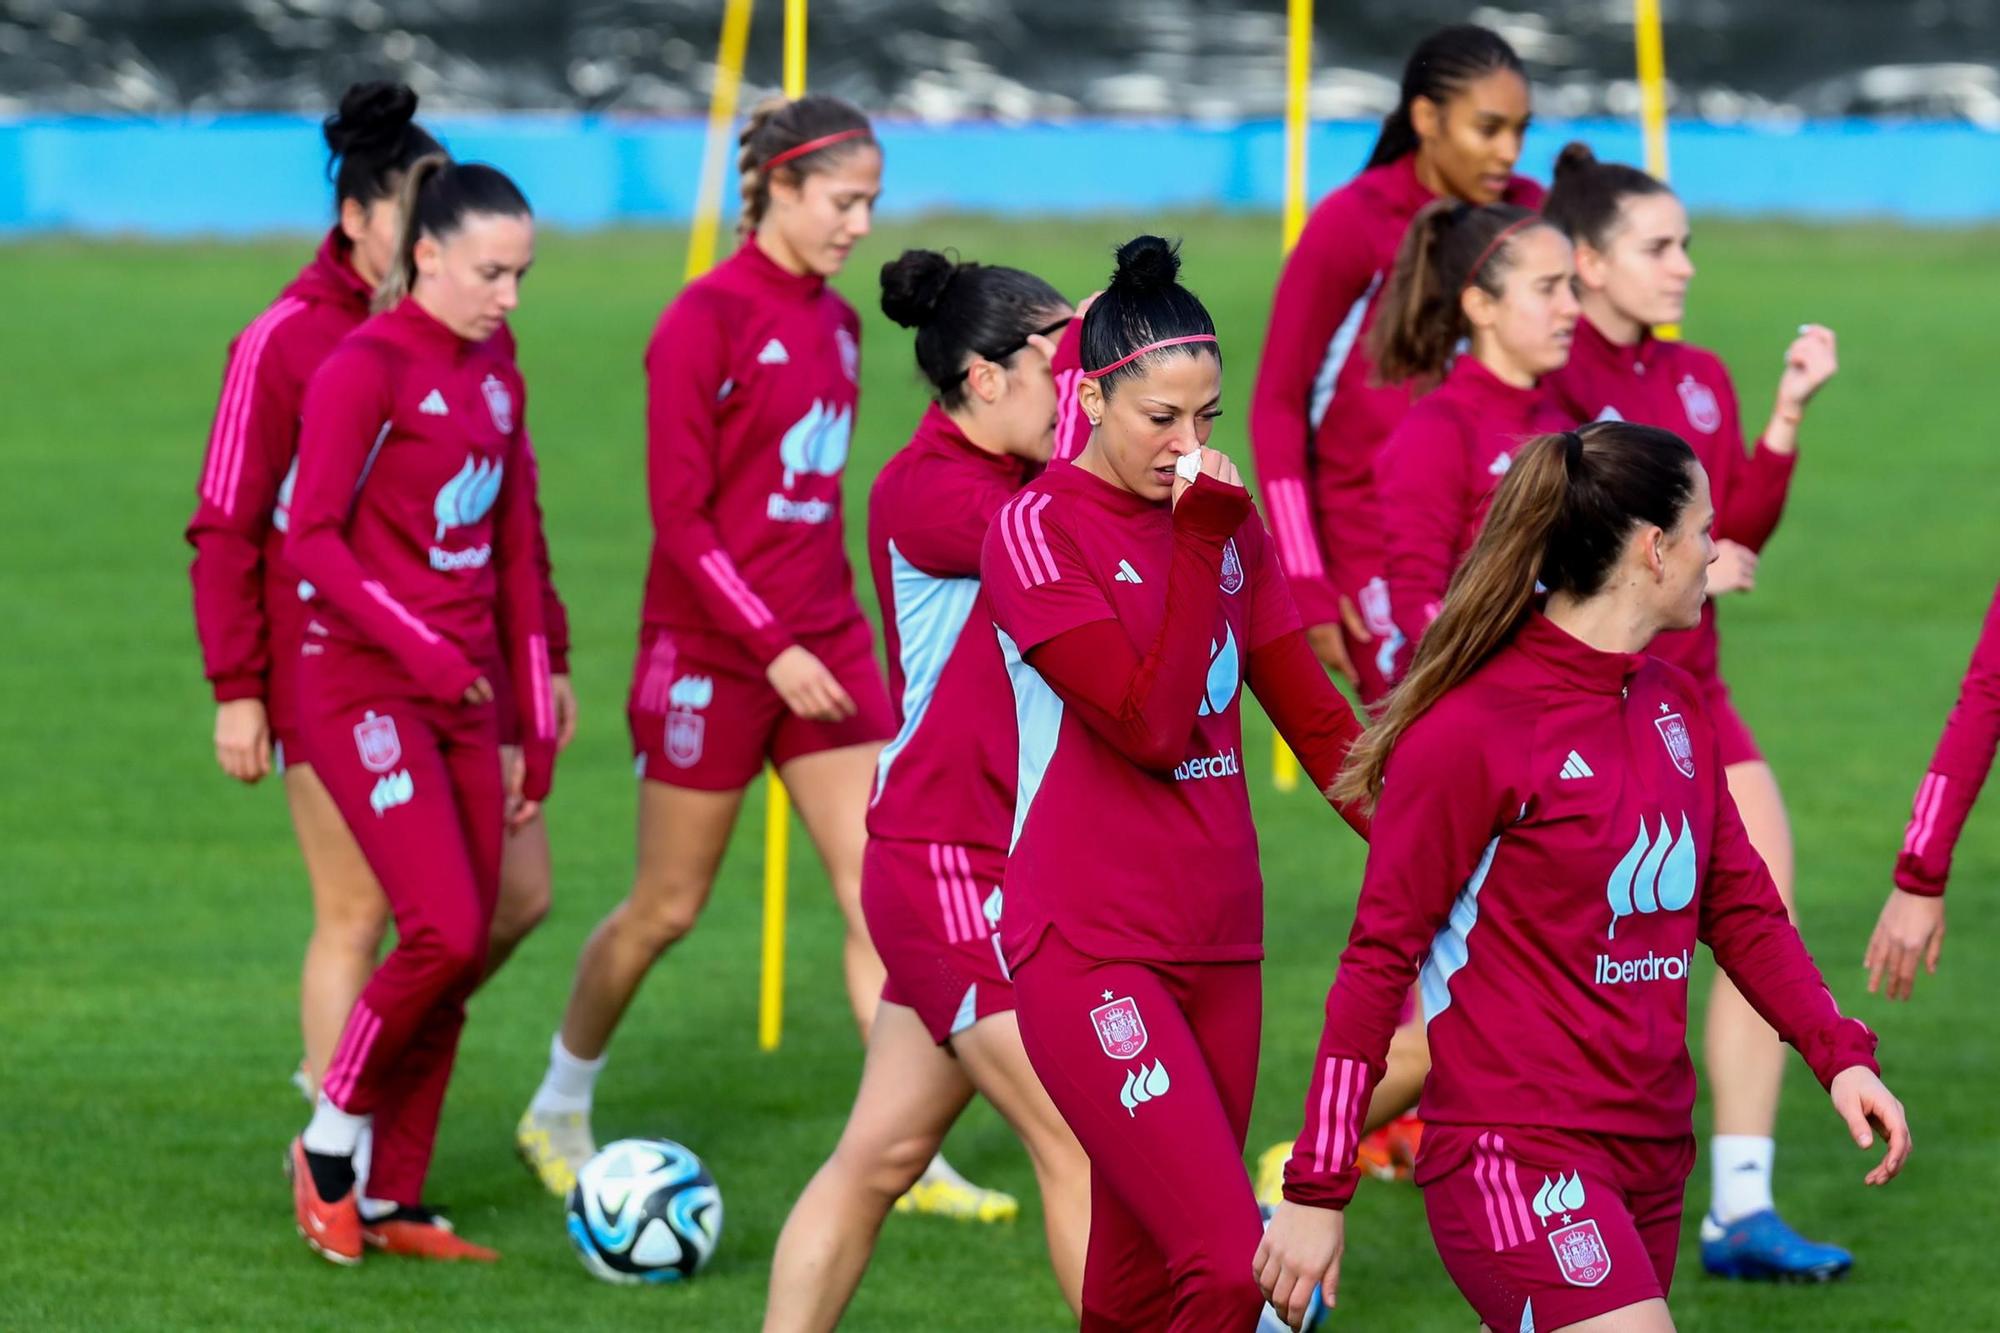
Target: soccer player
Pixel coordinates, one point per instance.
(1633, 271)
(1553, 834)
(413, 519)
(1498, 280)
(1136, 591)
(248, 610)
(942, 812)
(1911, 928)
(1320, 411)
(752, 646)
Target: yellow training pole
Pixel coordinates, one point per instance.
(777, 806)
(721, 114)
(1652, 55)
(1298, 78)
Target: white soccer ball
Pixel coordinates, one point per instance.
(644, 1210)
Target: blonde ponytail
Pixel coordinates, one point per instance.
(1489, 596)
(401, 278)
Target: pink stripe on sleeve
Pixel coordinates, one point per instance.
(721, 570)
(1034, 521)
(1931, 815)
(1012, 544)
(228, 440)
(398, 610)
(1917, 812)
(1325, 1115)
(538, 669)
(1298, 551)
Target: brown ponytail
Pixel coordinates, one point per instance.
(1560, 519)
(438, 196)
(1449, 247)
(778, 127)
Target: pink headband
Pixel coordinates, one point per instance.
(1149, 347)
(1472, 274)
(811, 146)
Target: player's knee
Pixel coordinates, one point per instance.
(660, 916)
(521, 909)
(889, 1167)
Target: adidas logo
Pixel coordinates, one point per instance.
(1610, 413)
(774, 354)
(1498, 467)
(433, 405)
(1127, 574)
(1574, 767)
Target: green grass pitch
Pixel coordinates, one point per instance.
(154, 913)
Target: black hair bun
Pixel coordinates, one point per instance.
(371, 115)
(1147, 264)
(1575, 156)
(913, 284)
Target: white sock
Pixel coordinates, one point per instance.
(364, 1157)
(1740, 1171)
(333, 1131)
(567, 1087)
(939, 1169)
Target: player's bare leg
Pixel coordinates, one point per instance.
(526, 878)
(1742, 1235)
(350, 917)
(682, 836)
(911, 1092)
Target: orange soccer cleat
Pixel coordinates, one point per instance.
(422, 1233)
(332, 1229)
(1390, 1153)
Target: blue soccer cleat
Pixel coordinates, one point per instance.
(1760, 1247)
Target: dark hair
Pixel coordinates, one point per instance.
(1586, 194)
(372, 140)
(1443, 63)
(776, 127)
(1561, 516)
(963, 310)
(1144, 303)
(1449, 247)
(438, 196)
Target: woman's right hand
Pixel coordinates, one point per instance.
(1214, 463)
(479, 692)
(243, 739)
(807, 687)
(1300, 1251)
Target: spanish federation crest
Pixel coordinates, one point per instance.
(1120, 1030)
(499, 402)
(1680, 748)
(376, 740)
(850, 353)
(1580, 1254)
(1704, 414)
(686, 727)
(1232, 567)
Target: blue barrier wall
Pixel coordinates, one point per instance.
(258, 173)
